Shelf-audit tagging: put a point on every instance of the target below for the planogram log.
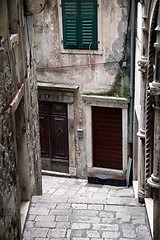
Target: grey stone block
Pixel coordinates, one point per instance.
(56, 233)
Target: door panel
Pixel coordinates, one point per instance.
(60, 137)
(54, 136)
(107, 137)
(44, 130)
(59, 109)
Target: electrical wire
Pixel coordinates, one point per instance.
(81, 65)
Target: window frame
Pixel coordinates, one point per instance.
(80, 25)
(99, 33)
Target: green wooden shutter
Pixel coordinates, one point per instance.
(88, 24)
(70, 23)
(80, 24)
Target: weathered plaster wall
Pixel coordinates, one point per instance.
(102, 73)
(94, 72)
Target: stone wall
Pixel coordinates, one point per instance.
(20, 166)
(9, 207)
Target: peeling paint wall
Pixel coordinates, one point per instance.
(20, 166)
(104, 73)
(94, 71)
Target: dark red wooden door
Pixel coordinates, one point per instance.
(107, 137)
(44, 129)
(54, 136)
(59, 131)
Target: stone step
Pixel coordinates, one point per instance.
(123, 201)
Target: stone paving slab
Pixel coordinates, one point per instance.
(93, 212)
(122, 201)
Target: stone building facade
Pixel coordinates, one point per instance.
(85, 92)
(79, 81)
(146, 147)
(20, 163)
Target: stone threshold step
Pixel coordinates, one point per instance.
(108, 179)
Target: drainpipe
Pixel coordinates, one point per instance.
(132, 68)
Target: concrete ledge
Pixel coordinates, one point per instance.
(115, 102)
(56, 174)
(57, 86)
(135, 188)
(149, 209)
(24, 208)
(98, 170)
(107, 176)
(15, 102)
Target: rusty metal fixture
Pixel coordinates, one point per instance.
(34, 7)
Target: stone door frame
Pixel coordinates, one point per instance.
(65, 94)
(113, 102)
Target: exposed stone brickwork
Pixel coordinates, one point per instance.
(9, 203)
(20, 163)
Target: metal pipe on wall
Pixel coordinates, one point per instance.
(132, 67)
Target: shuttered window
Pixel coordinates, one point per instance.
(80, 24)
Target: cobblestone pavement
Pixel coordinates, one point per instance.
(73, 209)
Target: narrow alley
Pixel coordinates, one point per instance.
(73, 209)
